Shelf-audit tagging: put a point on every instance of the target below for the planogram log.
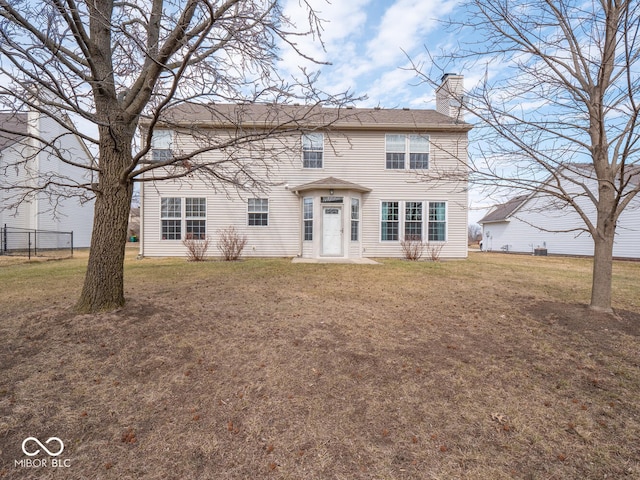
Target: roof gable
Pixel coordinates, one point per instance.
(502, 212)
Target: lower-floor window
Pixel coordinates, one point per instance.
(307, 205)
(413, 223)
(178, 215)
(390, 221)
(355, 219)
(258, 212)
(171, 229)
(437, 221)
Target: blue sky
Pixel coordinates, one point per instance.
(367, 43)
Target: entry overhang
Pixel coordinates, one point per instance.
(330, 183)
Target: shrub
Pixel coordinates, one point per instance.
(196, 247)
(412, 247)
(434, 251)
(231, 243)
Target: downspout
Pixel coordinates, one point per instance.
(141, 236)
(300, 224)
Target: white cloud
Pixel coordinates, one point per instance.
(339, 21)
(404, 26)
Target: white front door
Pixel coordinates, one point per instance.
(332, 231)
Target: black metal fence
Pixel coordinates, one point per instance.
(35, 243)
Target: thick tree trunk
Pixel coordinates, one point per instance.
(104, 281)
(603, 262)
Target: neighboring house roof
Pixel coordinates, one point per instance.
(13, 126)
(330, 183)
(272, 115)
(502, 212)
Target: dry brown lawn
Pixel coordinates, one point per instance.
(490, 368)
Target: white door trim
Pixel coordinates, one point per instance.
(332, 231)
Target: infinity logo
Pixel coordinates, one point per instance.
(49, 452)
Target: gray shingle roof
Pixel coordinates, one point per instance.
(269, 115)
(504, 211)
(330, 183)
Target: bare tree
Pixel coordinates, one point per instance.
(557, 108)
(474, 233)
(114, 64)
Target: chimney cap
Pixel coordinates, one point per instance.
(446, 75)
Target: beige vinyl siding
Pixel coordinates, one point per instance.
(353, 156)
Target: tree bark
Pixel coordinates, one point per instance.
(603, 252)
(104, 281)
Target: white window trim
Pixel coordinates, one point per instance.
(165, 139)
(256, 211)
(402, 205)
(321, 150)
(407, 151)
(446, 221)
(305, 219)
(182, 218)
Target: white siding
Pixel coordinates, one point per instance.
(70, 215)
(357, 157)
(537, 224)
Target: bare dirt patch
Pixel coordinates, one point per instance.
(263, 369)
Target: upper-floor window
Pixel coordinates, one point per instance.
(418, 152)
(396, 146)
(161, 142)
(312, 150)
(399, 147)
(258, 212)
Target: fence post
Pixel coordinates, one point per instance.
(72, 243)
(4, 238)
(29, 244)
(35, 243)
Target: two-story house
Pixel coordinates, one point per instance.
(31, 146)
(353, 184)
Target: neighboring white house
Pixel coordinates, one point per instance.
(536, 221)
(24, 160)
(352, 190)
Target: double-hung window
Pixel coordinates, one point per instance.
(437, 222)
(395, 150)
(171, 218)
(307, 207)
(179, 215)
(258, 212)
(312, 150)
(418, 152)
(196, 213)
(355, 219)
(161, 142)
(413, 221)
(390, 221)
(399, 147)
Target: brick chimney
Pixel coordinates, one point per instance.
(449, 96)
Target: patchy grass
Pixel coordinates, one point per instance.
(486, 368)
